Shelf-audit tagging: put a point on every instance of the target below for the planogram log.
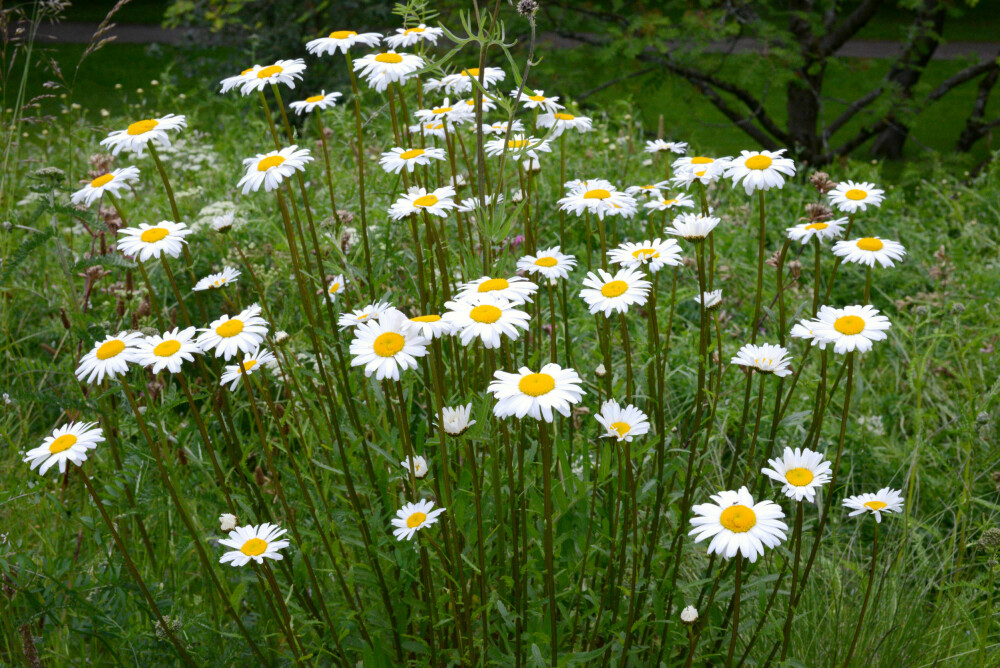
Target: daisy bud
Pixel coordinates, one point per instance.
(600, 371)
(689, 615)
(280, 337)
(527, 7)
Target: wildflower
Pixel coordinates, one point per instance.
(406, 37)
(167, 351)
(456, 114)
(335, 288)
(111, 182)
(760, 170)
(431, 326)
(437, 203)
(382, 69)
(385, 346)
(237, 81)
(135, 137)
(886, 500)
(699, 168)
(515, 289)
(607, 293)
(322, 102)
(850, 328)
(550, 263)
(801, 472)
(517, 147)
(621, 423)
(764, 358)
(849, 196)
(709, 300)
(693, 226)
(68, 443)
(536, 100)
(462, 82)
(661, 145)
(456, 420)
(655, 254)
(870, 250)
(227, 522)
(560, 121)
(602, 199)
(396, 159)
(600, 371)
(281, 72)
(270, 169)
(472, 203)
(253, 542)
(535, 395)
(649, 190)
(150, 241)
(413, 517)
(736, 524)
(486, 316)
(224, 222)
(419, 466)
(500, 128)
(243, 332)
(109, 357)
(256, 360)
(221, 279)
(433, 129)
(822, 230)
(369, 312)
(341, 40)
(689, 615)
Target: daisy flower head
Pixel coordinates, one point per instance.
(456, 114)
(500, 128)
(620, 423)
(800, 471)
(472, 203)
(806, 329)
(560, 122)
(456, 420)
(765, 358)
(536, 99)
(462, 82)
(886, 500)
(168, 350)
(850, 196)
(870, 250)
(68, 443)
(382, 69)
(649, 190)
(432, 129)
(654, 254)
(821, 230)
(417, 200)
(136, 136)
(662, 146)
(413, 517)
(397, 159)
(516, 289)
(281, 72)
(219, 280)
(550, 263)
(535, 395)
(419, 466)
(431, 326)
(253, 542)
(699, 168)
(369, 312)
(270, 169)
(693, 226)
(607, 293)
(255, 361)
(322, 102)
(341, 40)
(599, 198)
(406, 37)
(760, 170)
(150, 241)
(386, 345)
(659, 203)
(485, 316)
(243, 333)
(112, 182)
(470, 102)
(852, 328)
(517, 147)
(736, 524)
(230, 83)
(710, 300)
(109, 357)
(335, 288)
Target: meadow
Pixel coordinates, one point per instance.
(395, 343)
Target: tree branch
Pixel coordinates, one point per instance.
(854, 22)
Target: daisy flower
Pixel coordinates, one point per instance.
(604, 292)
(710, 300)
(760, 170)
(456, 420)
(109, 357)
(851, 328)
(824, 231)
(431, 326)
(135, 137)
(516, 290)
(243, 332)
(270, 169)
(433, 129)
(167, 351)
(462, 82)
(253, 542)
(870, 250)
(801, 472)
(385, 346)
(470, 102)
(536, 100)
(655, 254)
(281, 72)
(535, 395)
(149, 241)
(322, 101)
(550, 263)
(699, 168)
(667, 203)
(406, 37)
(335, 288)
(229, 83)
(649, 190)
(736, 524)
(601, 201)
(396, 159)
(69, 442)
(457, 114)
(693, 226)
(622, 423)
(500, 128)
(661, 145)
(517, 147)
(112, 182)
(382, 69)
(413, 517)
(472, 203)
(223, 278)
(419, 466)
(849, 196)
(764, 358)
(560, 121)
(250, 363)
(886, 500)
(436, 203)
(358, 316)
(341, 40)
(486, 316)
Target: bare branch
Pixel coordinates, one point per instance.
(854, 22)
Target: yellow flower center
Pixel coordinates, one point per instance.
(101, 180)
(269, 71)
(388, 58)
(536, 384)
(870, 244)
(254, 547)
(855, 194)
(621, 427)
(799, 477)
(441, 110)
(388, 344)
(426, 318)
(246, 71)
(342, 34)
(334, 288)
(700, 160)
(413, 30)
(269, 162)
(486, 313)
(426, 200)
(471, 72)
(167, 348)
(494, 284)
(434, 126)
(875, 505)
(415, 520)
(64, 442)
(249, 364)
(141, 127)
(758, 162)
(517, 143)
(817, 226)
(546, 262)
(110, 349)
(700, 174)
(738, 519)
(614, 288)
(849, 325)
(153, 234)
(314, 98)
(669, 202)
(537, 98)
(563, 117)
(411, 154)
(229, 328)
(597, 193)
(645, 253)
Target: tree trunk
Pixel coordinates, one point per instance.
(976, 126)
(803, 112)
